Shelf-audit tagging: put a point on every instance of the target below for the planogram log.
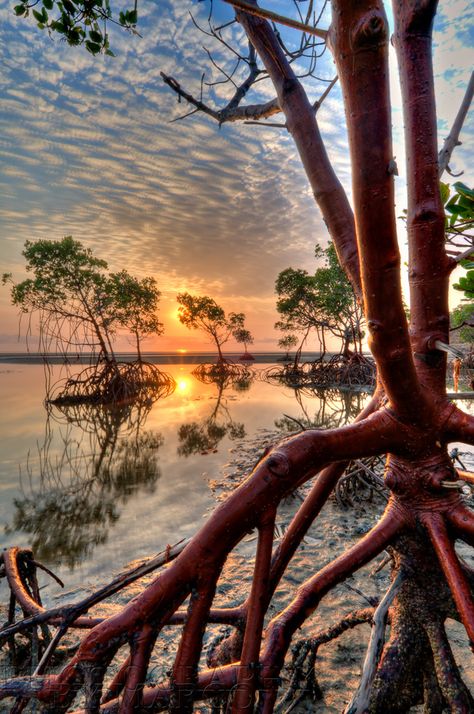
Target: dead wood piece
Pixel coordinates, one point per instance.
(361, 699)
(70, 614)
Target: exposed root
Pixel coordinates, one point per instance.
(225, 374)
(303, 682)
(355, 372)
(113, 382)
(191, 581)
(362, 481)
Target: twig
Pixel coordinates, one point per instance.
(300, 424)
(275, 17)
(452, 140)
(383, 563)
(323, 96)
(69, 613)
(464, 255)
(274, 125)
(48, 571)
(305, 652)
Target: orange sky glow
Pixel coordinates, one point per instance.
(89, 150)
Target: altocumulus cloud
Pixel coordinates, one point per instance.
(88, 149)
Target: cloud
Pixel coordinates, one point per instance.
(88, 149)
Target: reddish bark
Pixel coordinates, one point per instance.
(302, 125)
(359, 40)
(413, 425)
(429, 267)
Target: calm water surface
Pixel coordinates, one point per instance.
(92, 489)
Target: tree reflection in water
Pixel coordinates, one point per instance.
(204, 436)
(104, 458)
(334, 409)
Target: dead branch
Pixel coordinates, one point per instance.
(304, 655)
(252, 9)
(70, 614)
(452, 140)
(360, 701)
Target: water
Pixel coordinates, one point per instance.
(93, 489)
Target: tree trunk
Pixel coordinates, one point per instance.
(409, 418)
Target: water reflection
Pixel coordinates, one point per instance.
(101, 474)
(203, 437)
(92, 459)
(334, 408)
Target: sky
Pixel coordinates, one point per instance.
(88, 148)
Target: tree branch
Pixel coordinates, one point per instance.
(253, 9)
(301, 123)
(359, 40)
(228, 113)
(452, 140)
(452, 569)
(283, 626)
(429, 270)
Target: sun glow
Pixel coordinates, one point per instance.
(183, 385)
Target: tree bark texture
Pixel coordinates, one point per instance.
(409, 418)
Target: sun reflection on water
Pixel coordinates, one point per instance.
(183, 385)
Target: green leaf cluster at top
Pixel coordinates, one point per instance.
(79, 302)
(201, 312)
(324, 301)
(462, 318)
(459, 209)
(79, 22)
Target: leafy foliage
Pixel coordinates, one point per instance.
(201, 312)
(323, 301)
(79, 22)
(78, 303)
(459, 208)
(243, 336)
(287, 342)
(462, 317)
(135, 305)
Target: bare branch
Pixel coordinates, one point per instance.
(231, 112)
(275, 17)
(176, 87)
(452, 140)
(360, 701)
(465, 254)
(318, 102)
(274, 125)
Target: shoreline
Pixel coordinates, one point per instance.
(152, 357)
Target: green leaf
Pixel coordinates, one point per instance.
(444, 191)
(38, 15)
(463, 189)
(457, 209)
(48, 4)
(466, 201)
(132, 17)
(95, 36)
(69, 7)
(19, 10)
(58, 26)
(93, 47)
